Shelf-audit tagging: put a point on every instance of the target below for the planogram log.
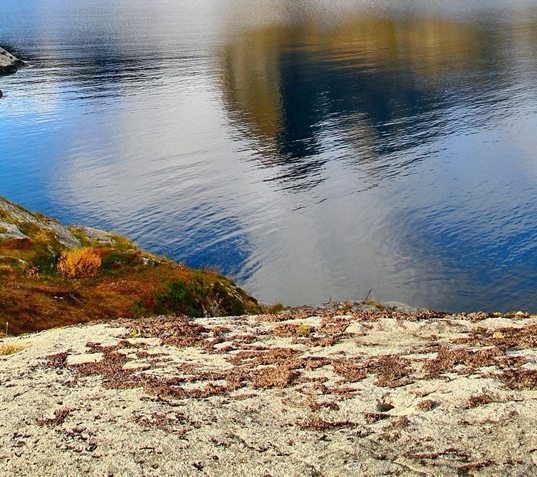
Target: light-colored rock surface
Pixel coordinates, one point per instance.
(94, 234)
(8, 62)
(12, 216)
(363, 393)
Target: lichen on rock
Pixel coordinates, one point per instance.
(13, 218)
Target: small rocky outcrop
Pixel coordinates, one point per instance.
(9, 63)
(13, 218)
(98, 235)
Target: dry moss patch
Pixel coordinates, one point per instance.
(11, 348)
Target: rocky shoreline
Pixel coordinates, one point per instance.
(9, 63)
(342, 389)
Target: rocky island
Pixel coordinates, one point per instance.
(136, 372)
(8, 62)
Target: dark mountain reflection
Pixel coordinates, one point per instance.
(384, 86)
(428, 107)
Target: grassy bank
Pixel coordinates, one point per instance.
(51, 275)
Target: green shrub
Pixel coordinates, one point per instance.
(197, 296)
(273, 309)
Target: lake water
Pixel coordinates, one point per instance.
(311, 149)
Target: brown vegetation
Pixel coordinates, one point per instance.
(59, 416)
(45, 283)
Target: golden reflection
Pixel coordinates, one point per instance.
(427, 45)
(250, 82)
(429, 51)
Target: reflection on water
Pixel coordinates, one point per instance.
(385, 85)
(311, 149)
(389, 100)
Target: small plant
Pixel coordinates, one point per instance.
(79, 263)
(6, 349)
(378, 306)
(479, 399)
(32, 272)
(427, 405)
(303, 330)
(273, 309)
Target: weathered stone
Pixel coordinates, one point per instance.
(10, 231)
(401, 307)
(9, 63)
(14, 216)
(94, 234)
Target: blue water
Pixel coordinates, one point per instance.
(311, 150)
